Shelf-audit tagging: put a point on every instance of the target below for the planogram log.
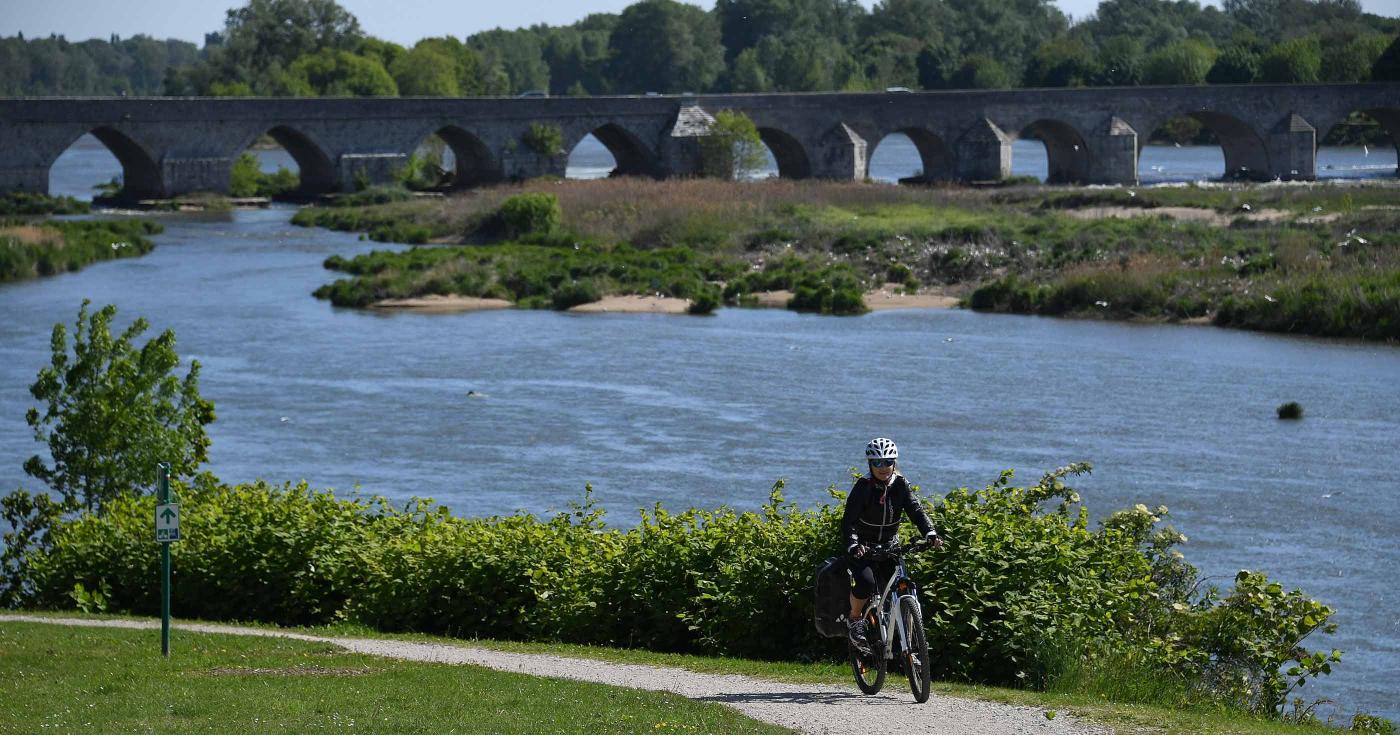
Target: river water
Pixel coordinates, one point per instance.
(497, 411)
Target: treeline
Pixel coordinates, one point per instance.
(316, 47)
(54, 66)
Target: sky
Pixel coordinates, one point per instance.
(401, 21)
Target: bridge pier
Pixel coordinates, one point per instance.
(520, 164)
(680, 151)
(840, 154)
(33, 179)
(1113, 154)
(1292, 146)
(187, 175)
(983, 153)
(358, 171)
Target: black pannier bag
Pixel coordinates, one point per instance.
(833, 597)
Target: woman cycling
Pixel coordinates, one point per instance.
(873, 512)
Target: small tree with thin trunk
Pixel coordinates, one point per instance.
(733, 148)
(110, 412)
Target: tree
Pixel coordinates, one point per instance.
(265, 37)
(330, 73)
(665, 46)
(733, 148)
(1120, 62)
(112, 411)
(1387, 67)
(1182, 62)
(1236, 64)
(980, 71)
(1298, 60)
(748, 74)
(1061, 62)
(1352, 60)
(890, 60)
(516, 57)
(428, 72)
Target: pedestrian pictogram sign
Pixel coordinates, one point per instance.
(168, 522)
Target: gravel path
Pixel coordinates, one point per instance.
(807, 708)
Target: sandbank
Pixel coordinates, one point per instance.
(439, 304)
(635, 305)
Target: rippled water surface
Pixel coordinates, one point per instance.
(495, 411)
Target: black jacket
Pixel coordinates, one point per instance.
(873, 511)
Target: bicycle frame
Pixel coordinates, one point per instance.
(892, 623)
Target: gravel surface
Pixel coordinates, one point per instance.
(807, 708)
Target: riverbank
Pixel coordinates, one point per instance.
(1271, 257)
(46, 248)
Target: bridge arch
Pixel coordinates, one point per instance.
(788, 153)
(631, 156)
(1067, 156)
(317, 171)
(1353, 132)
(141, 173)
(473, 162)
(1246, 156)
(935, 157)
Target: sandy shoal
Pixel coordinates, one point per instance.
(886, 297)
(439, 304)
(635, 305)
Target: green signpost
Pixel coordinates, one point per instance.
(167, 532)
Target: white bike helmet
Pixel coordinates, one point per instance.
(881, 448)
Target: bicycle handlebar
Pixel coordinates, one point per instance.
(882, 552)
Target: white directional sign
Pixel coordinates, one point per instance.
(168, 522)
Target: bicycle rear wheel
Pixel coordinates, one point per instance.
(916, 658)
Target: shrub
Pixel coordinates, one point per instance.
(530, 214)
(705, 301)
(1011, 594)
(1290, 410)
(544, 139)
(575, 293)
(23, 202)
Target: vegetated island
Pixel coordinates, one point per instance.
(1320, 259)
(29, 249)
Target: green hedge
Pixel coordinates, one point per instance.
(1017, 585)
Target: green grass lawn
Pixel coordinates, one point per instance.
(1123, 718)
(62, 679)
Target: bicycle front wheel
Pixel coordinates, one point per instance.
(916, 659)
(869, 670)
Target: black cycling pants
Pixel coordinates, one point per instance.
(869, 576)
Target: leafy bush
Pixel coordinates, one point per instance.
(544, 139)
(530, 214)
(24, 202)
(1290, 410)
(1009, 600)
(248, 180)
(705, 301)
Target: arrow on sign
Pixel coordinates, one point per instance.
(167, 515)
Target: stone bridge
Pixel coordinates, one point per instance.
(169, 146)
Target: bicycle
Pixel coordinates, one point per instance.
(904, 630)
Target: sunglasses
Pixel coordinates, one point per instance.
(881, 463)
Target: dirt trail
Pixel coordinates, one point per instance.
(806, 708)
